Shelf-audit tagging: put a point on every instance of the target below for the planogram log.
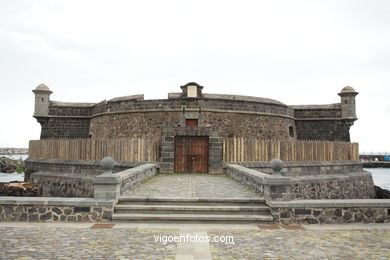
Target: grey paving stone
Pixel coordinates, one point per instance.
(191, 186)
(36, 241)
(303, 244)
(60, 243)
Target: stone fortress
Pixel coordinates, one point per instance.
(230, 115)
(321, 179)
(177, 120)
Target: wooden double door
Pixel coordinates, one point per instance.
(191, 154)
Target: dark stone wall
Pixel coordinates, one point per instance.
(318, 113)
(144, 118)
(218, 104)
(44, 213)
(327, 130)
(65, 185)
(349, 186)
(126, 105)
(334, 215)
(64, 127)
(249, 125)
(70, 110)
(72, 122)
(147, 124)
(243, 106)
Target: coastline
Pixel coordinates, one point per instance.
(380, 164)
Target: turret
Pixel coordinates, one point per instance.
(348, 106)
(42, 100)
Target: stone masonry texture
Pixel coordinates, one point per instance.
(35, 213)
(119, 242)
(330, 215)
(344, 185)
(64, 185)
(327, 130)
(239, 116)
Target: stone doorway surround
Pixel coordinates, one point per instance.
(167, 148)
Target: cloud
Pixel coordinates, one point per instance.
(298, 52)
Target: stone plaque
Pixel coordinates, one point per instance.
(192, 91)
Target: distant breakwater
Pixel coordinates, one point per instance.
(380, 164)
(9, 151)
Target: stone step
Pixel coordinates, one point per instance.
(192, 201)
(194, 209)
(190, 218)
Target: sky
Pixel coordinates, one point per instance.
(297, 52)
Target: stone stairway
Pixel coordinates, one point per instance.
(183, 210)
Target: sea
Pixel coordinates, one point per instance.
(381, 176)
(8, 177)
(15, 156)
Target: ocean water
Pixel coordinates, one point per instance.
(7, 177)
(381, 177)
(15, 156)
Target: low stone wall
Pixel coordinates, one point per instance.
(111, 186)
(355, 185)
(91, 168)
(248, 177)
(135, 176)
(347, 185)
(330, 211)
(64, 185)
(36, 209)
(308, 167)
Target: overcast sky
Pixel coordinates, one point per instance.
(298, 52)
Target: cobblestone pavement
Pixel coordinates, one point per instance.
(304, 244)
(191, 186)
(68, 243)
(136, 241)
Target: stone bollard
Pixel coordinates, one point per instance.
(277, 166)
(107, 185)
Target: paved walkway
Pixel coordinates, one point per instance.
(192, 241)
(191, 186)
(138, 241)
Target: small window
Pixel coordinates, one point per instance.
(291, 131)
(43, 100)
(191, 122)
(345, 101)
